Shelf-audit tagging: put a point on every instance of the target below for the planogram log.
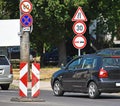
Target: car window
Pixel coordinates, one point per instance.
(89, 63)
(75, 64)
(111, 61)
(3, 61)
(117, 53)
(105, 52)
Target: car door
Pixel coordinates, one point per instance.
(68, 78)
(83, 74)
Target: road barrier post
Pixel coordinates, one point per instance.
(23, 79)
(35, 90)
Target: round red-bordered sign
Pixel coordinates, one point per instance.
(79, 27)
(79, 41)
(26, 20)
(26, 6)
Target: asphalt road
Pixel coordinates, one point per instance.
(69, 99)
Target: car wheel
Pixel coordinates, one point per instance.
(5, 86)
(57, 89)
(93, 90)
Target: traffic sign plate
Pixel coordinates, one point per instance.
(79, 41)
(26, 28)
(79, 27)
(79, 15)
(26, 6)
(26, 20)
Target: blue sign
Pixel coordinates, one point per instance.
(26, 20)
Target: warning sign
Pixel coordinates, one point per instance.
(79, 15)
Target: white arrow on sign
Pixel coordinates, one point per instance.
(79, 27)
(79, 15)
(79, 41)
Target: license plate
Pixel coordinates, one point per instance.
(117, 84)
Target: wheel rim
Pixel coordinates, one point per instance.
(56, 88)
(92, 90)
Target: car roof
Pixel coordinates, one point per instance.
(98, 55)
(109, 49)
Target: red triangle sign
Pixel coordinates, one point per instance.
(79, 15)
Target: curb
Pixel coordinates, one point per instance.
(19, 99)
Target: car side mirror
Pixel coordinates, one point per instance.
(62, 66)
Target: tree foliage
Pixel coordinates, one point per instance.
(52, 18)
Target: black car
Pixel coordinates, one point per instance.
(93, 74)
(109, 51)
(52, 57)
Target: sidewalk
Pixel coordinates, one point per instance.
(44, 85)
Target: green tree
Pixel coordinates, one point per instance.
(52, 20)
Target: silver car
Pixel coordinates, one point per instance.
(6, 75)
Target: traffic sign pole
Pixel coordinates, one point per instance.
(79, 54)
(79, 28)
(24, 45)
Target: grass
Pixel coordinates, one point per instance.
(45, 73)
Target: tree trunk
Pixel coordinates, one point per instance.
(62, 53)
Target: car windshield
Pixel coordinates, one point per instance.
(3, 61)
(110, 61)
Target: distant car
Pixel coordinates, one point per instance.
(93, 74)
(109, 51)
(52, 57)
(14, 53)
(6, 75)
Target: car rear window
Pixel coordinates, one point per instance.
(111, 61)
(3, 60)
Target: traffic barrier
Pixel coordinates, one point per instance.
(35, 90)
(23, 79)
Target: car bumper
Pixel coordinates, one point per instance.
(109, 87)
(6, 80)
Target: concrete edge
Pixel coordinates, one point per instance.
(20, 99)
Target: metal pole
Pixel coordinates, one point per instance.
(79, 54)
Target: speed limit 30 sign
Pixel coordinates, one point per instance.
(79, 42)
(79, 27)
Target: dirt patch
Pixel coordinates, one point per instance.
(45, 73)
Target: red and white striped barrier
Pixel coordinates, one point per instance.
(35, 90)
(23, 79)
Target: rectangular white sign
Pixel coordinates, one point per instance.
(9, 30)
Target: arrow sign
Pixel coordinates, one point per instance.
(79, 15)
(26, 20)
(79, 41)
(26, 6)
(79, 27)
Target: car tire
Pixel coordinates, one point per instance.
(93, 90)
(5, 86)
(57, 88)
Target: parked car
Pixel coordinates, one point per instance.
(14, 53)
(109, 51)
(6, 75)
(52, 57)
(93, 74)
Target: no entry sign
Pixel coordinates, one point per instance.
(79, 27)
(79, 42)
